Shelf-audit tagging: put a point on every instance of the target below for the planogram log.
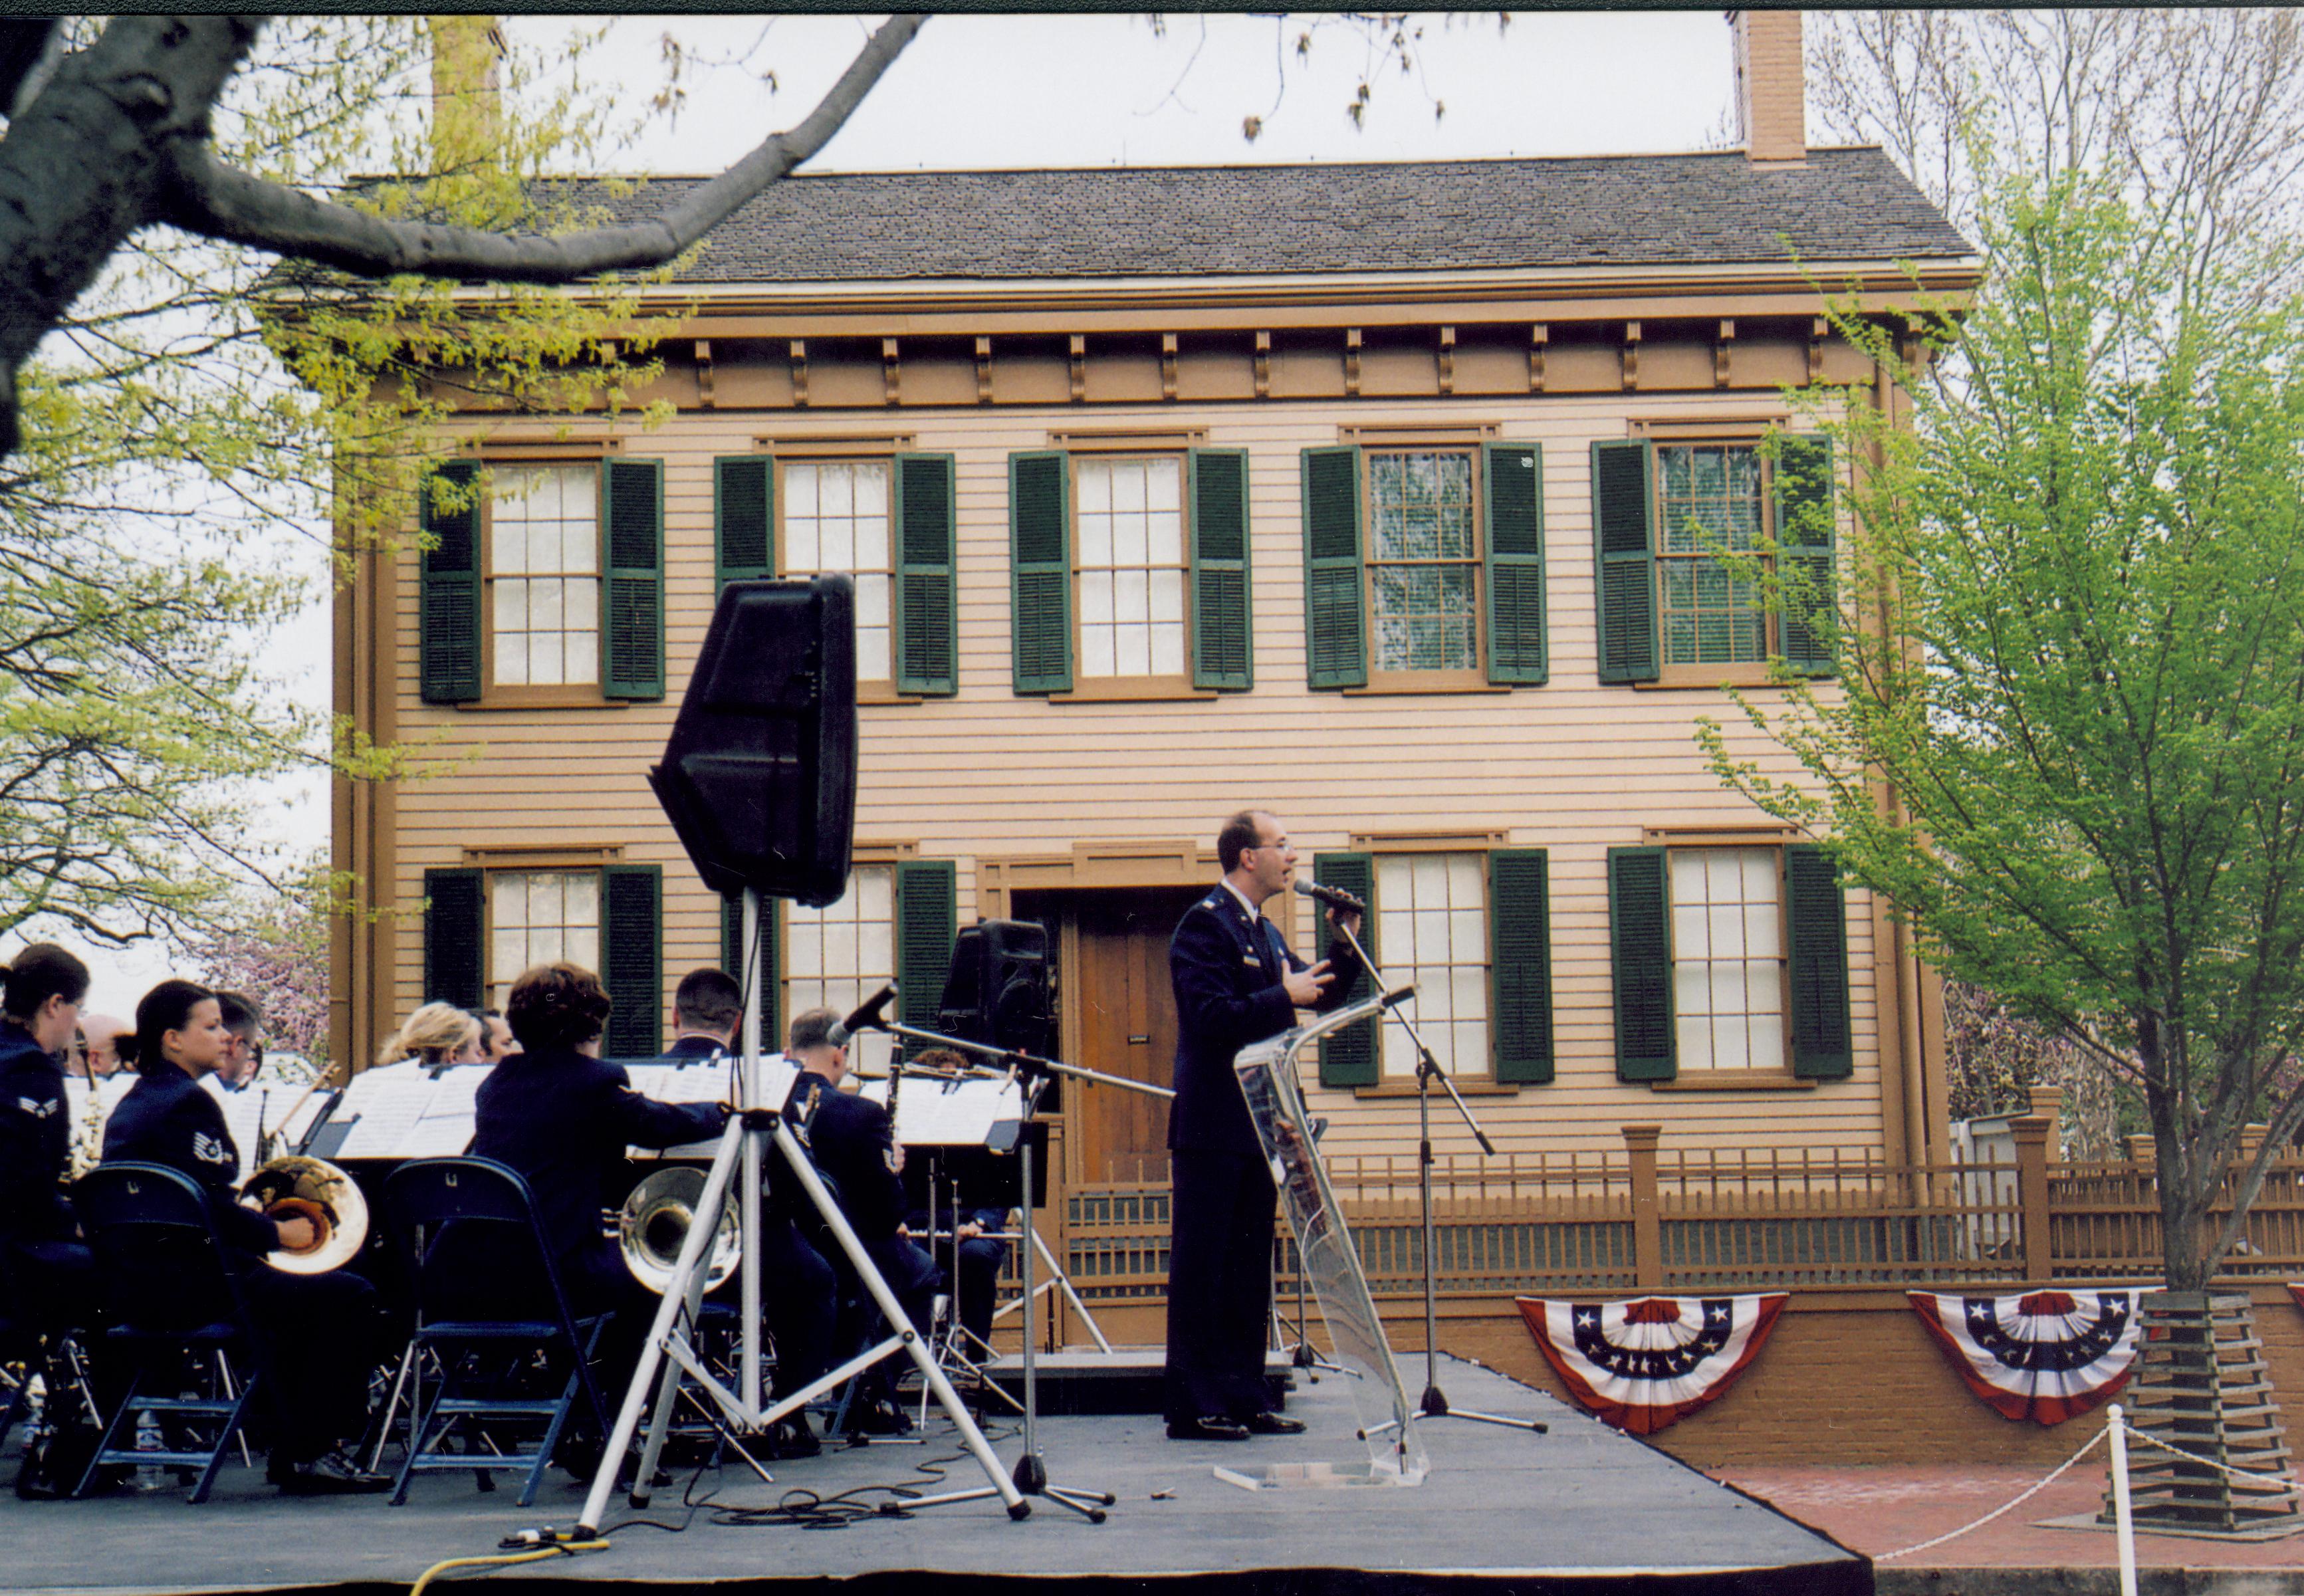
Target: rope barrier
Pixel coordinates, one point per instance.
(2093, 1442)
(2291, 1480)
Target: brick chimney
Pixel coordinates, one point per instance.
(1771, 85)
(467, 115)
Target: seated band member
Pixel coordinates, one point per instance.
(243, 1046)
(979, 1251)
(325, 1331)
(563, 1117)
(436, 1033)
(43, 1263)
(852, 1142)
(708, 1010)
(100, 1037)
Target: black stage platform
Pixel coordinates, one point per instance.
(1503, 1511)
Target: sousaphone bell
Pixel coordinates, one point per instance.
(298, 1187)
(652, 1226)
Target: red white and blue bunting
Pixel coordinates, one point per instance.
(2296, 1290)
(2042, 1355)
(1640, 1365)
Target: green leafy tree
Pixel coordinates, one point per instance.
(2066, 734)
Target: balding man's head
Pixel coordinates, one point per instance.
(102, 1034)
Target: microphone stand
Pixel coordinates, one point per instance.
(1434, 1405)
(1032, 1474)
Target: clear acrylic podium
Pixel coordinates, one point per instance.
(1268, 1078)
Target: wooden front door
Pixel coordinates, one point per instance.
(1127, 1026)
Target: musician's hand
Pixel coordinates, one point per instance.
(1347, 922)
(1304, 987)
(903, 1231)
(970, 1231)
(298, 1233)
(896, 1159)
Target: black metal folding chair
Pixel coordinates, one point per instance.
(419, 1200)
(170, 1293)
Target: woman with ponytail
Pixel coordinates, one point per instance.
(323, 1331)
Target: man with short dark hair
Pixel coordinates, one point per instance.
(708, 1010)
(41, 1257)
(243, 1050)
(1237, 981)
(852, 1141)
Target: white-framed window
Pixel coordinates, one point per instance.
(538, 916)
(544, 573)
(838, 955)
(1712, 499)
(1130, 564)
(1728, 958)
(836, 519)
(1432, 929)
(1423, 561)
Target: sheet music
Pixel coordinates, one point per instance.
(296, 1130)
(381, 1107)
(705, 1083)
(932, 1113)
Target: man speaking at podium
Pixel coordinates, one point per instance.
(1237, 981)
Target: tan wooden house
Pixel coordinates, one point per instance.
(1378, 495)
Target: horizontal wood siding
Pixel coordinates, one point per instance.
(1572, 766)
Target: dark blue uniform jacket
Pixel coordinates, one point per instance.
(1226, 966)
(166, 1118)
(564, 1120)
(35, 1142)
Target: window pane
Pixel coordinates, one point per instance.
(1132, 596)
(1097, 605)
(1168, 596)
(1727, 974)
(1168, 649)
(1131, 649)
(1163, 484)
(512, 660)
(1433, 932)
(582, 663)
(545, 664)
(1094, 484)
(583, 601)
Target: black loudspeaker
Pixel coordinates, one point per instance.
(998, 989)
(759, 773)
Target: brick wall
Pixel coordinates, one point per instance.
(1771, 85)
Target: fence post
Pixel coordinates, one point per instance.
(2031, 1132)
(1647, 1219)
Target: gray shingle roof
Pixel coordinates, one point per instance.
(1438, 216)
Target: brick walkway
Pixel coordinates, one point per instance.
(1877, 1510)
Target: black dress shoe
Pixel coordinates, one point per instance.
(1268, 1423)
(1207, 1427)
(333, 1475)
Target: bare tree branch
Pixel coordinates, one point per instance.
(220, 202)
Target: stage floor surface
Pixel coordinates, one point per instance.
(1502, 1509)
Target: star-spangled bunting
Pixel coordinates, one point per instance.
(2042, 1355)
(1639, 1365)
(2296, 1290)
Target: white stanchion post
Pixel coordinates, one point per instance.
(2123, 1517)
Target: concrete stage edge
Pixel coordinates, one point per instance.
(1503, 1511)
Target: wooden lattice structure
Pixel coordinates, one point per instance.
(2202, 1385)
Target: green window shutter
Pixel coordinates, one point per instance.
(1040, 570)
(1623, 540)
(1639, 946)
(1804, 534)
(1817, 943)
(1335, 609)
(1350, 1056)
(743, 519)
(448, 592)
(1514, 500)
(455, 934)
(1520, 964)
(767, 977)
(631, 588)
(632, 958)
(1224, 649)
(928, 918)
(926, 614)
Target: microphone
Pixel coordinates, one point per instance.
(866, 1018)
(1335, 897)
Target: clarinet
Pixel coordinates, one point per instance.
(895, 1142)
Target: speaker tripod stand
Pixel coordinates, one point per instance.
(671, 1353)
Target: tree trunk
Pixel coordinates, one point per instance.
(89, 163)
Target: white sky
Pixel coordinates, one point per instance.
(1105, 90)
